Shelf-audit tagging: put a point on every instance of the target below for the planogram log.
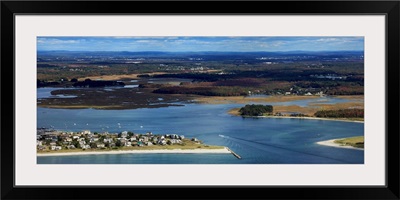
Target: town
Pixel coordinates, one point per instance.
(54, 140)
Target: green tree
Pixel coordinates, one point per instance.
(93, 145)
(256, 110)
(118, 143)
(130, 134)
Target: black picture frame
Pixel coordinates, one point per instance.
(11, 8)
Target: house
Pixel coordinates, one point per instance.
(109, 140)
(38, 143)
(75, 137)
(53, 148)
(58, 148)
(123, 140)
(68, 139)
(162, 142)
(101, 145)
(175, 141)
(41, 148)
(124, 134)
(71, 146)
(308, 94)
(52, 144)
(128, 144)
(92, 140)
(149, 133)
(149, 144)
(133, 139)
(182, 137)
(174, 136)
(195, 140)
(86, 132)
(287, 93)
(104, 134)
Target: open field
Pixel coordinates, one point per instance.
(119, 77)
(310, 110)
(243, 99)
(117, 98)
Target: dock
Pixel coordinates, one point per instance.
(233, 153)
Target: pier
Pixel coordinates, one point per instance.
(233, 153)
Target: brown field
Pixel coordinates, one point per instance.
(242, 99)
(117, 77)
(234, 111)
(311, 109)
(122, 98)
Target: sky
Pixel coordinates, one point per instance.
(197, 44)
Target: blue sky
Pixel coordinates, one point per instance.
(196, 44)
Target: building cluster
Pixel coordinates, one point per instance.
(58, 140)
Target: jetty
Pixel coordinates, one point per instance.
(233, 153)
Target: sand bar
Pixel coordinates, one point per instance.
(331, 143)
(173, 151)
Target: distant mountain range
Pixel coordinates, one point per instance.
(203, 53)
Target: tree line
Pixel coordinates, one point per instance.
(255, 110)
(342, 113)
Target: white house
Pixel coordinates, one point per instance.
(124, 134)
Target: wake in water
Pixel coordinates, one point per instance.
(241, 140)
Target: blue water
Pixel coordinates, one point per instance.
(256, 140)
(46, 93)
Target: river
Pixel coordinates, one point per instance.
(256, 140)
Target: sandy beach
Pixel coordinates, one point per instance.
(331, 143)
(174, 151)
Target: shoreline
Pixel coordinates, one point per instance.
(168, 151)
(311, 118)
(331, 143)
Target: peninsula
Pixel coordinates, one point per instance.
(59, 143)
